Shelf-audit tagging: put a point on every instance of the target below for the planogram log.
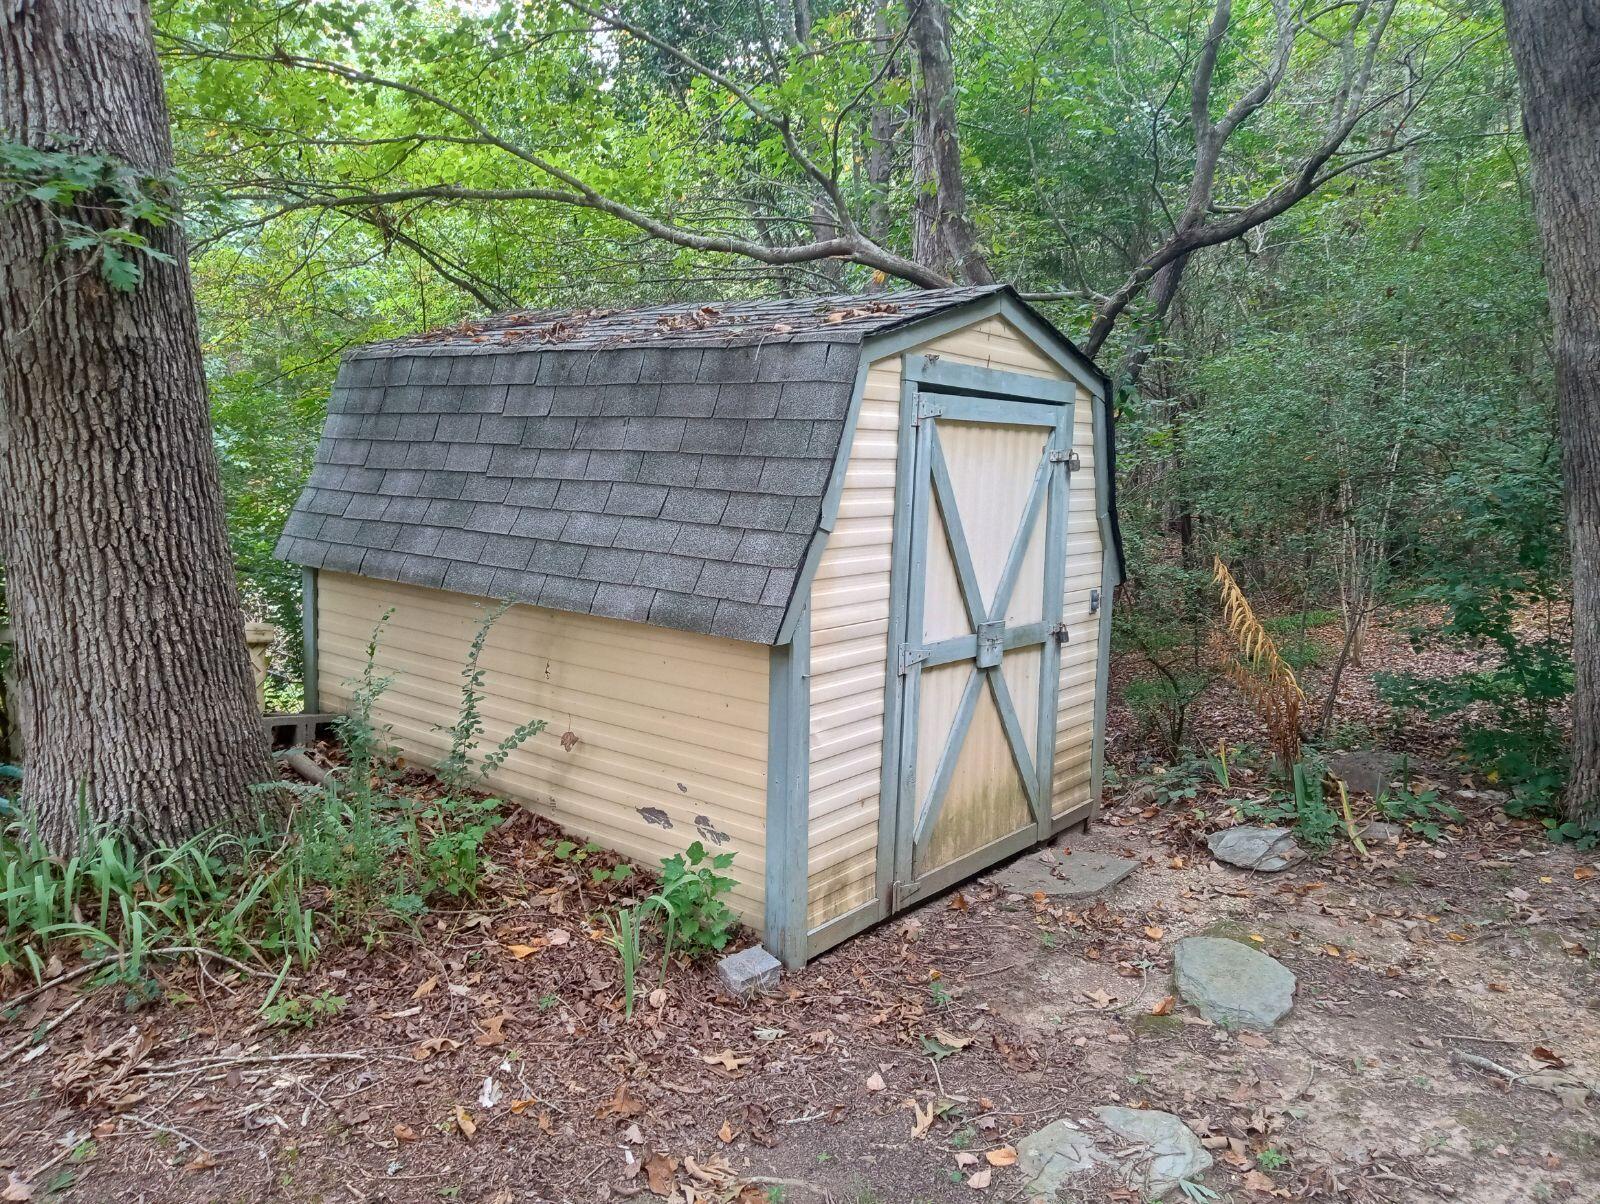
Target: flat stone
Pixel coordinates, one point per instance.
(1265, 849)
(1072, 876)
(1052, 1155)
(1377, 831)
(1174, 1152)
(1231, 984)
(1365, 771)
(749, 971)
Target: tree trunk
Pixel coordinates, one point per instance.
(944, 231)
(135, 685)
(1556, 46)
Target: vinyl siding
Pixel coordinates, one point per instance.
(665, 721)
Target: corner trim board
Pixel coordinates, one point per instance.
(788, 796)
(310, 682)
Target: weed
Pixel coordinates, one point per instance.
(693, 890)
(1271, 1159)
(303, 1011)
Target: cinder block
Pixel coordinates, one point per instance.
(749, 971)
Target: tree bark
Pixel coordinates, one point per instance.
(1556, 46)
(945, 237)
(137, 696)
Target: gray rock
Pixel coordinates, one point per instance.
(1266, 849)
(1073, 876)
(749, 971)
(1052, 1155)
(1232, 984)
(1365, 771)
(1173, 1151)
(1377, 831)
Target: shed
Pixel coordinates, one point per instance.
(822, 582)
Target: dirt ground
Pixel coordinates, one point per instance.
(891, 1068)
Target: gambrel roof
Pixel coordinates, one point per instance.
(666, 465)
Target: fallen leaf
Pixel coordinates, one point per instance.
(954, 1040)
(1154, 932)
(924, 1117)
(404, 1133)
(622, 1104)
(425, 987)
(875, 1082)
(1164, 1006)
(491, 1034)
(1257, 1182)
(726, 1059)
(725, 1134)
(1005, 1156)
(1549, 1056)
(521, 951)
(1099, 999)
(1583, 873)
(658, 998)
(202, 1161)
(465, 1123)
(660, 1172)
(980, 1179)
(432, 1046)
(17, 1189)
(519, 1106)
(964, 1159)
(557, 936)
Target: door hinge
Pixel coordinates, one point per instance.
(927, 407)
(1068, 457)
(901, 893)
(911, 654)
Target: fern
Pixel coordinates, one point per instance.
(1259, 670)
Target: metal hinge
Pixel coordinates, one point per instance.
(902, 892)
(927, 407)
(911, 654)
(1067, 457)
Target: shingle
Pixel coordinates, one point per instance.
(558, 465)
(629, 400)
(623, 602)
(449, 514)
(564, 593)
(695, 505)
(390, 566)
(433, 483)
(708, 543)
(563, 559)
(601, 433)
(744, 621)
(794, 478)
(417, 539)
(493, 519)
(408, 510)
(577, 400)
(458, 428)
(443, 399)
(303, 522)
(677, 573)
(516, 369)
(825, 438)
(772, 548)
(616, 368)
(653, 434)
(529, 491)
(687, 401)
(596, 530)
(615, 465)
(844, 360)
(731, 472)
(387, 455)
(427, 455)
(645, 534)
(428, 370)
(584, 495)
(497, 428)
(366, 505)
(742, 582)
(806, 515)
(426, 570)
(479, 488)
(549, 432)
(362, 480)
(472, 369)
(540, 524)
(632, 498)
(671, 364)
(679, 469)
(528, 401)
(795, 363)
(343, 558)
(779, 587)
(513, 461)
(507, 551)
(683, 611)
(731, 365)
(748, 401)
(780, 437)
(618, 565)
(468, 457)
(461, 545)
(404, 400)
(813, 399)
(463, 577)
(484, 399)
(564, 367)
(758, 512)
(714, 434)
(516, 584)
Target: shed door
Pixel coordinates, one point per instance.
(979, 654)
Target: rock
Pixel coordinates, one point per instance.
(1232, 984)
(1266, 849)
(1377, 831)
(1072, 876)
(1174, 1152)
(1052, 1155)
(1365, 771)
(749, 971)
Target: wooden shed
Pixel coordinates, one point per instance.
(823, 582)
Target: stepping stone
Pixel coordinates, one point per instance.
(1073, 876)
(1365, 771)
(1174, 1152)
(1265, 849)
(1232, 984)
(1052, 1155)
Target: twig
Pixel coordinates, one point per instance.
(217, 1063)
(178, 1133)
(58, 980)
(40, 1034)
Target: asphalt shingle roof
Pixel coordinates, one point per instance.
(664, 465)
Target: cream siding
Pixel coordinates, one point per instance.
(667, 723)
(850, 621)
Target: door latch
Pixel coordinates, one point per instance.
(1069, 457)
(1062, 635)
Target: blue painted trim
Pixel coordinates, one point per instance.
(1012, 726)
(955, 534)
(965, 408)
(1037, 494)
(311, 682)
(967, 378)
(929, 807)
(1055, 574)
(909, 790)
(788, 796)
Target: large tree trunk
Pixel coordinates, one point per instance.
(944, 236)
(1556, 45)
(136, 688)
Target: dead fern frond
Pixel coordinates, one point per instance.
(1259, 670)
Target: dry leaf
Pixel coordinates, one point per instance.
(726, 1059)
(519, 1106)
(1583, 873)
(404, 1133)
(491, 1034)
(425, 987)
(1005, 1156)
(622, 1104)
(1164, 1006)
(980, 1180)
(924, 1117)
(875, 1082)
(557, 936)
(725, 1134)
(1154, 932)
(964, 1159)
(521, 951)
(17, 1189)
(1257, 1182)
(658, 998)
(945, 1037)
(1099, 999)
(660, 1173)
(465, 1123)
(432, 1046)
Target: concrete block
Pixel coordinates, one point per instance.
(749, 971)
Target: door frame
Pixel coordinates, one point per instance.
(984, 394)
